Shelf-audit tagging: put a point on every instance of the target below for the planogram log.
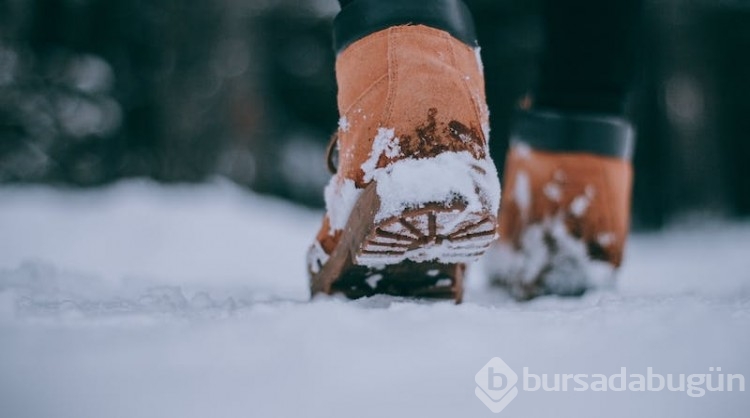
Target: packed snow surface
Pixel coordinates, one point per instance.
(141, 300)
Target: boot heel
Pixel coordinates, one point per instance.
(421, 252)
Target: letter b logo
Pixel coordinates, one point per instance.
(493, 378)
(496, 385)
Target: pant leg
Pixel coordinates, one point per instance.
(359, 18)
(589, 60)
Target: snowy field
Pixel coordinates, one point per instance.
(142, 300)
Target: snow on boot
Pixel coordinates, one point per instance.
(566, 205)
(415, 194)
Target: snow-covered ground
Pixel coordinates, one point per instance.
(141, 300)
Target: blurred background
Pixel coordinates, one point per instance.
(93, 91)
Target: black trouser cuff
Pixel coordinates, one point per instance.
(363, 17)
(608, 136)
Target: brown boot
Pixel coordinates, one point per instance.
(566, 205)
(415, 194)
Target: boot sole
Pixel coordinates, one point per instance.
(419, 253)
